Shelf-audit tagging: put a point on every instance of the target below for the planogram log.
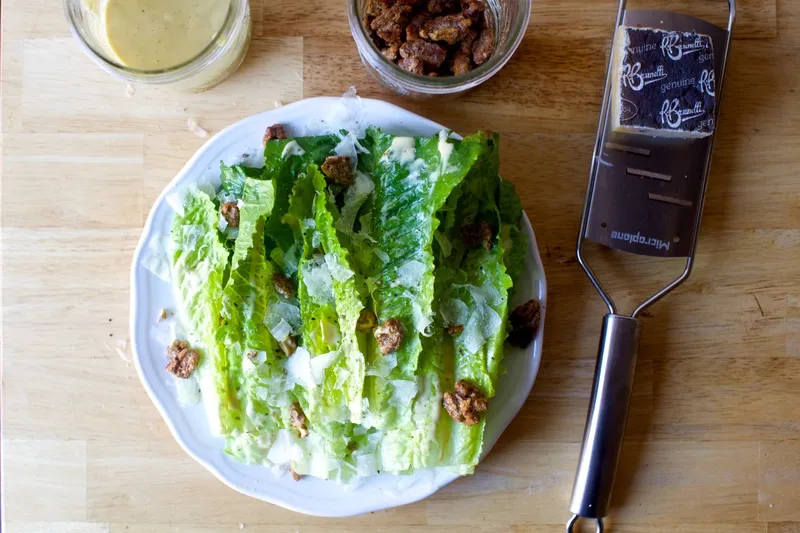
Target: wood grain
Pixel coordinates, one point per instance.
(714, 432)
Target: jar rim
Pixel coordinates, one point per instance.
(232, 25)
(435, 85)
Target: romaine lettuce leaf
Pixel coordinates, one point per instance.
(198, 262)
(514, 240)
(413, 180)
(257, 200)
(232, 179)
(321, 334)
(283, 166)
(472, 291)
(332, 378)
(346, 376)
(253, 361)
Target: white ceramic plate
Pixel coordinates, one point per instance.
(150, 294)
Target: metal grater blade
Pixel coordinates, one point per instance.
(648, 191)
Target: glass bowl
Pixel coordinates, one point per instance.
(217, 61)
(511, 19)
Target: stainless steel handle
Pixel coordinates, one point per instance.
(605, 422)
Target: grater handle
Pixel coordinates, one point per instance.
(608, 414)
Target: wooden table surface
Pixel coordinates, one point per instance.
(714, 434)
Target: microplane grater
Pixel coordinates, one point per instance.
(645, 196)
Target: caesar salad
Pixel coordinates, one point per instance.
(343, 307)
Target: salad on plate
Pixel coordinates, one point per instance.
(342, 308)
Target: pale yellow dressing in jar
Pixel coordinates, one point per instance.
(160, 34)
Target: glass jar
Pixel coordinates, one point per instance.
(220, 58)
(510, 18)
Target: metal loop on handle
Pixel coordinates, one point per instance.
(574, 520)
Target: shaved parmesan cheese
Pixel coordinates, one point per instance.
(298, 370)
(318, 281)
(252, 359)
(337, 268)
(320, 363)
(483, 324)
(493, 295)
(411, 273)
(454, 312)
(349, 147)
(404, 392)
(187, 391)
(155, 258)
(472, 337)
(491, 322)
(342, 375)
(382, 366)
(281, 310)
(222, 224)
(284, 450)
(420, 319)
(318, 461)
(366, 464)
(291, 149)
(194, 128)
(281, 330)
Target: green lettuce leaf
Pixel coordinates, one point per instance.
(509, 203)
(258, 198)
(346, 376)
(413, 180)
(285, 160)
(232, 179)
(321, 334)
(253, 357)
(330, 368)
(474, 286)
(391, 242)
(198, 262)
(514, 240)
